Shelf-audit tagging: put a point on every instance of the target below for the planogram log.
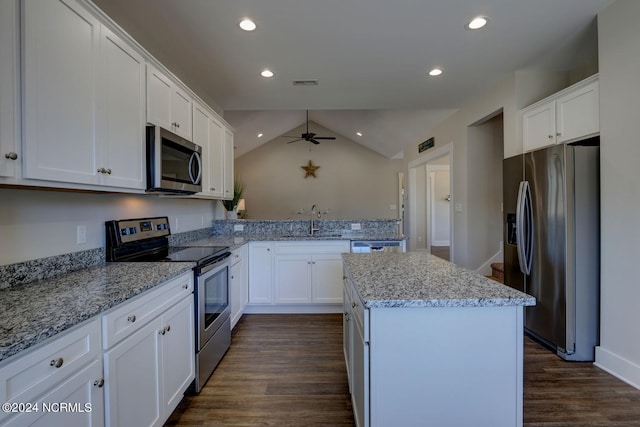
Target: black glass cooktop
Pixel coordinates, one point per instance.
(194, 254)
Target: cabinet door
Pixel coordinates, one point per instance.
(132, 379)
(237, 281)
(9, 109)
(578, 113)
(181, 113)
(228, 164)
(539, 127)
(260, 273)
(360, 377)
(61, 41)
(293, 279)
(327, 278)
(216, 159)
(159, 89)
(122, 130)
(347, 333)
(201, 118)
(178, 352)
(83, 390)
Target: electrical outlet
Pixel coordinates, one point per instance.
(177, 224)
(238, 227)
(356, 226)
(81, 234)
(458, 207)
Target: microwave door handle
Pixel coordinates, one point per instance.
(199, 160)
(195, 156)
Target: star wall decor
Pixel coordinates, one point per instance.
(310, 170)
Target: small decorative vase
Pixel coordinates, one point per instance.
(231, 214)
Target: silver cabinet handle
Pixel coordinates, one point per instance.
(108, 171)
(101, 170)
(11, 156)
(163, 331)
(168, 328)
(353, 305)
(131, 318)
(550, 136)
(558, 134)
(99, 383)
(212, 189)
(57, 362)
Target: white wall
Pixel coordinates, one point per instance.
(484, 186)
(352, 182)
(37, 224)
(619, 53)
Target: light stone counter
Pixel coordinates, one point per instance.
(419, 279)
(34, 312)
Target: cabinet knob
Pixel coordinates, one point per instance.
(550, 136)
(168, 328)
(131, 318)
(212, 189)
(353, 305)
(108, 171)
(99, 383)
(558, 134)
(185, 286)
(100, 170)
(11, 156)
(57, 362)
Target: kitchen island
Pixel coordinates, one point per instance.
(428, 343)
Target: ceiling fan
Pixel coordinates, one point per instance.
(308, 136)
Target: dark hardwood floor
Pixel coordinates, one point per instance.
(443, 252)
(288, 370)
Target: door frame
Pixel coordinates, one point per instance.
(421, 162)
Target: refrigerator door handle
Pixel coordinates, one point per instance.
(524, 227)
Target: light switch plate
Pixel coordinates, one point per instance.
(458, 207)
(356, 226)
(81, 234)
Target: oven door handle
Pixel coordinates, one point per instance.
(222, 259)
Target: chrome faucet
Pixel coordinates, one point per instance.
(315, 212)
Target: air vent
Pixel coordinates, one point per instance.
(305, 83)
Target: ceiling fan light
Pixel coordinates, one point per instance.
(266, 73)
(247, 24)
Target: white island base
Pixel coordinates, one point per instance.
(445, 366)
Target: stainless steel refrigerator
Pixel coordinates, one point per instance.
(552, 243)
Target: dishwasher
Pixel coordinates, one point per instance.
(368, 246)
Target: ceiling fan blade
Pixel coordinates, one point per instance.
(324, 137)
(291, 136)
(295, 140)
(313, 141)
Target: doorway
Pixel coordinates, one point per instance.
(430, 188)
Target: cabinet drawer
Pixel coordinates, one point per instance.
(39, 370)
(131, 316)
(322, 247)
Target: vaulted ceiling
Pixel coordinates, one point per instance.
(370, 57)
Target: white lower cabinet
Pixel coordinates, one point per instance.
(260, 272)
(239, 283)
(66, 371)
(147, 372)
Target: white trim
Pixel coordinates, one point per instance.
(618, 366)
(431, 218)
(293, 308)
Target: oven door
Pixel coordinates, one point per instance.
(212, 299)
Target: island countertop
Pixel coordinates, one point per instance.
(419, 279)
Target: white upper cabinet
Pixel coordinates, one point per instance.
(61, 42)
(9, 147)
(168, 105)
(567, 116)
(216, 159)
(84, 99)
(228, 164)
(121, 132)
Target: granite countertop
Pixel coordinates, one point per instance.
(236, 241)
(419, 279)
(33, 312)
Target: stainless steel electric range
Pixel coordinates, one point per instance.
(146, 239)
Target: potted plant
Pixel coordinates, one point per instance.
(232, 205)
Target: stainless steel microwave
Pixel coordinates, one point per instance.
(174, 165)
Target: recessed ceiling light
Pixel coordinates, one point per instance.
(435, 72)
(247, 24)
(266, 73)
(477, 23)
(259, 135)
(359, 133)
